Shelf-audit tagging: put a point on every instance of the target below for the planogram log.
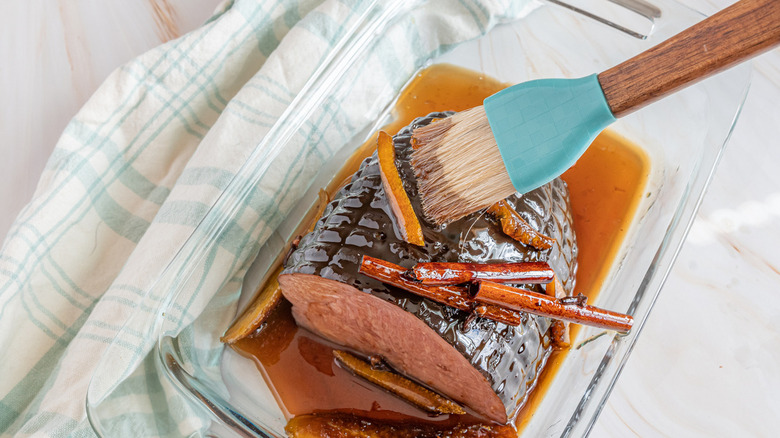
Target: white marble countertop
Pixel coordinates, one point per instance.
(708, 361)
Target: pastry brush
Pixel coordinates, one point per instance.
(528, 134)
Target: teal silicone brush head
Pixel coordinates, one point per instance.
(521, 138)
(542, 127)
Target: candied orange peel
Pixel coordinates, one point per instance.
(350, 426)
(409, 225)
(517, 228)
(269, 296)
(398, 385)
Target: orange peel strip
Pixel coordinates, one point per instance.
(269, 296)
(348, 426)
(411, 231)
(399, 385)
(517, 228)
(322, 202)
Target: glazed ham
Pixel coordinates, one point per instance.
(487, 366)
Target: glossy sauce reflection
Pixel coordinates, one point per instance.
(606, 186)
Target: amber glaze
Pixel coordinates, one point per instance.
(305, 378)
(606, 186)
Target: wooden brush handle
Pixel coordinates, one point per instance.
(741, 31)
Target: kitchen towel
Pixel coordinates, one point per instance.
(141, 165)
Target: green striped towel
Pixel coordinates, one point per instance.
(139, 167)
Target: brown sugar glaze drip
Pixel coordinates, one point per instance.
(605, 187)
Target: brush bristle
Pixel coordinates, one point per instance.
(458, 166)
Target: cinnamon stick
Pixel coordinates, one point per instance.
(453, 296)
(521, 300)
(559, 330)
(459, 273)
(394, 275)
(500, 314)
(496, 301)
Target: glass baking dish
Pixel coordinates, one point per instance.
(683, 136)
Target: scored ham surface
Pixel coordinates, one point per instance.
(487, 366)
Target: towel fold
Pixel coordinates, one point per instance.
(141, 165)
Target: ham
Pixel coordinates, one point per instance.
(487, 366)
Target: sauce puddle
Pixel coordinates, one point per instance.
(606, 186)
